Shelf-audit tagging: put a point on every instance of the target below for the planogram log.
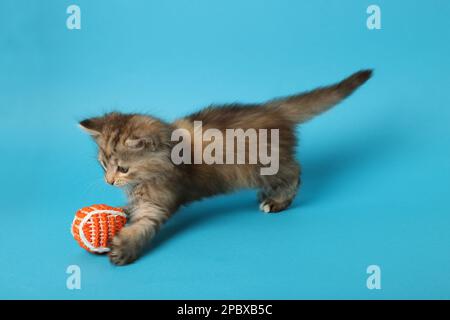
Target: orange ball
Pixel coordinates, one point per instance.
(94, 227)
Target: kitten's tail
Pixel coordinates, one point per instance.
(302, 107)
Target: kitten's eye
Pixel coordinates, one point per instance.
(122, 169)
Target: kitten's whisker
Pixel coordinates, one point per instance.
(93, 183)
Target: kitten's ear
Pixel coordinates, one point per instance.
(92, 126)
(137, 144)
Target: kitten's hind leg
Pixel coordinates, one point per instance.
(279, 190)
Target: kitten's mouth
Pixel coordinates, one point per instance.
(119, 184)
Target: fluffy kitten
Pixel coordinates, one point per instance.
(135, 152)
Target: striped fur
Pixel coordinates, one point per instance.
(134, 150)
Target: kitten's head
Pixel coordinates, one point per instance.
(131, 148)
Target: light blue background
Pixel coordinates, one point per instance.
(376, 168)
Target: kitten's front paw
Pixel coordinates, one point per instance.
(126, 210)
(123, 249)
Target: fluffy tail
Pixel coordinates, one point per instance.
(302, 107)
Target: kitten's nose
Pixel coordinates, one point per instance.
(110, 180)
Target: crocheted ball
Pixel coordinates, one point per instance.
(95, 226)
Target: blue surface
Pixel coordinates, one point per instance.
(376, 168)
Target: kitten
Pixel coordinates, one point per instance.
(135, 153)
